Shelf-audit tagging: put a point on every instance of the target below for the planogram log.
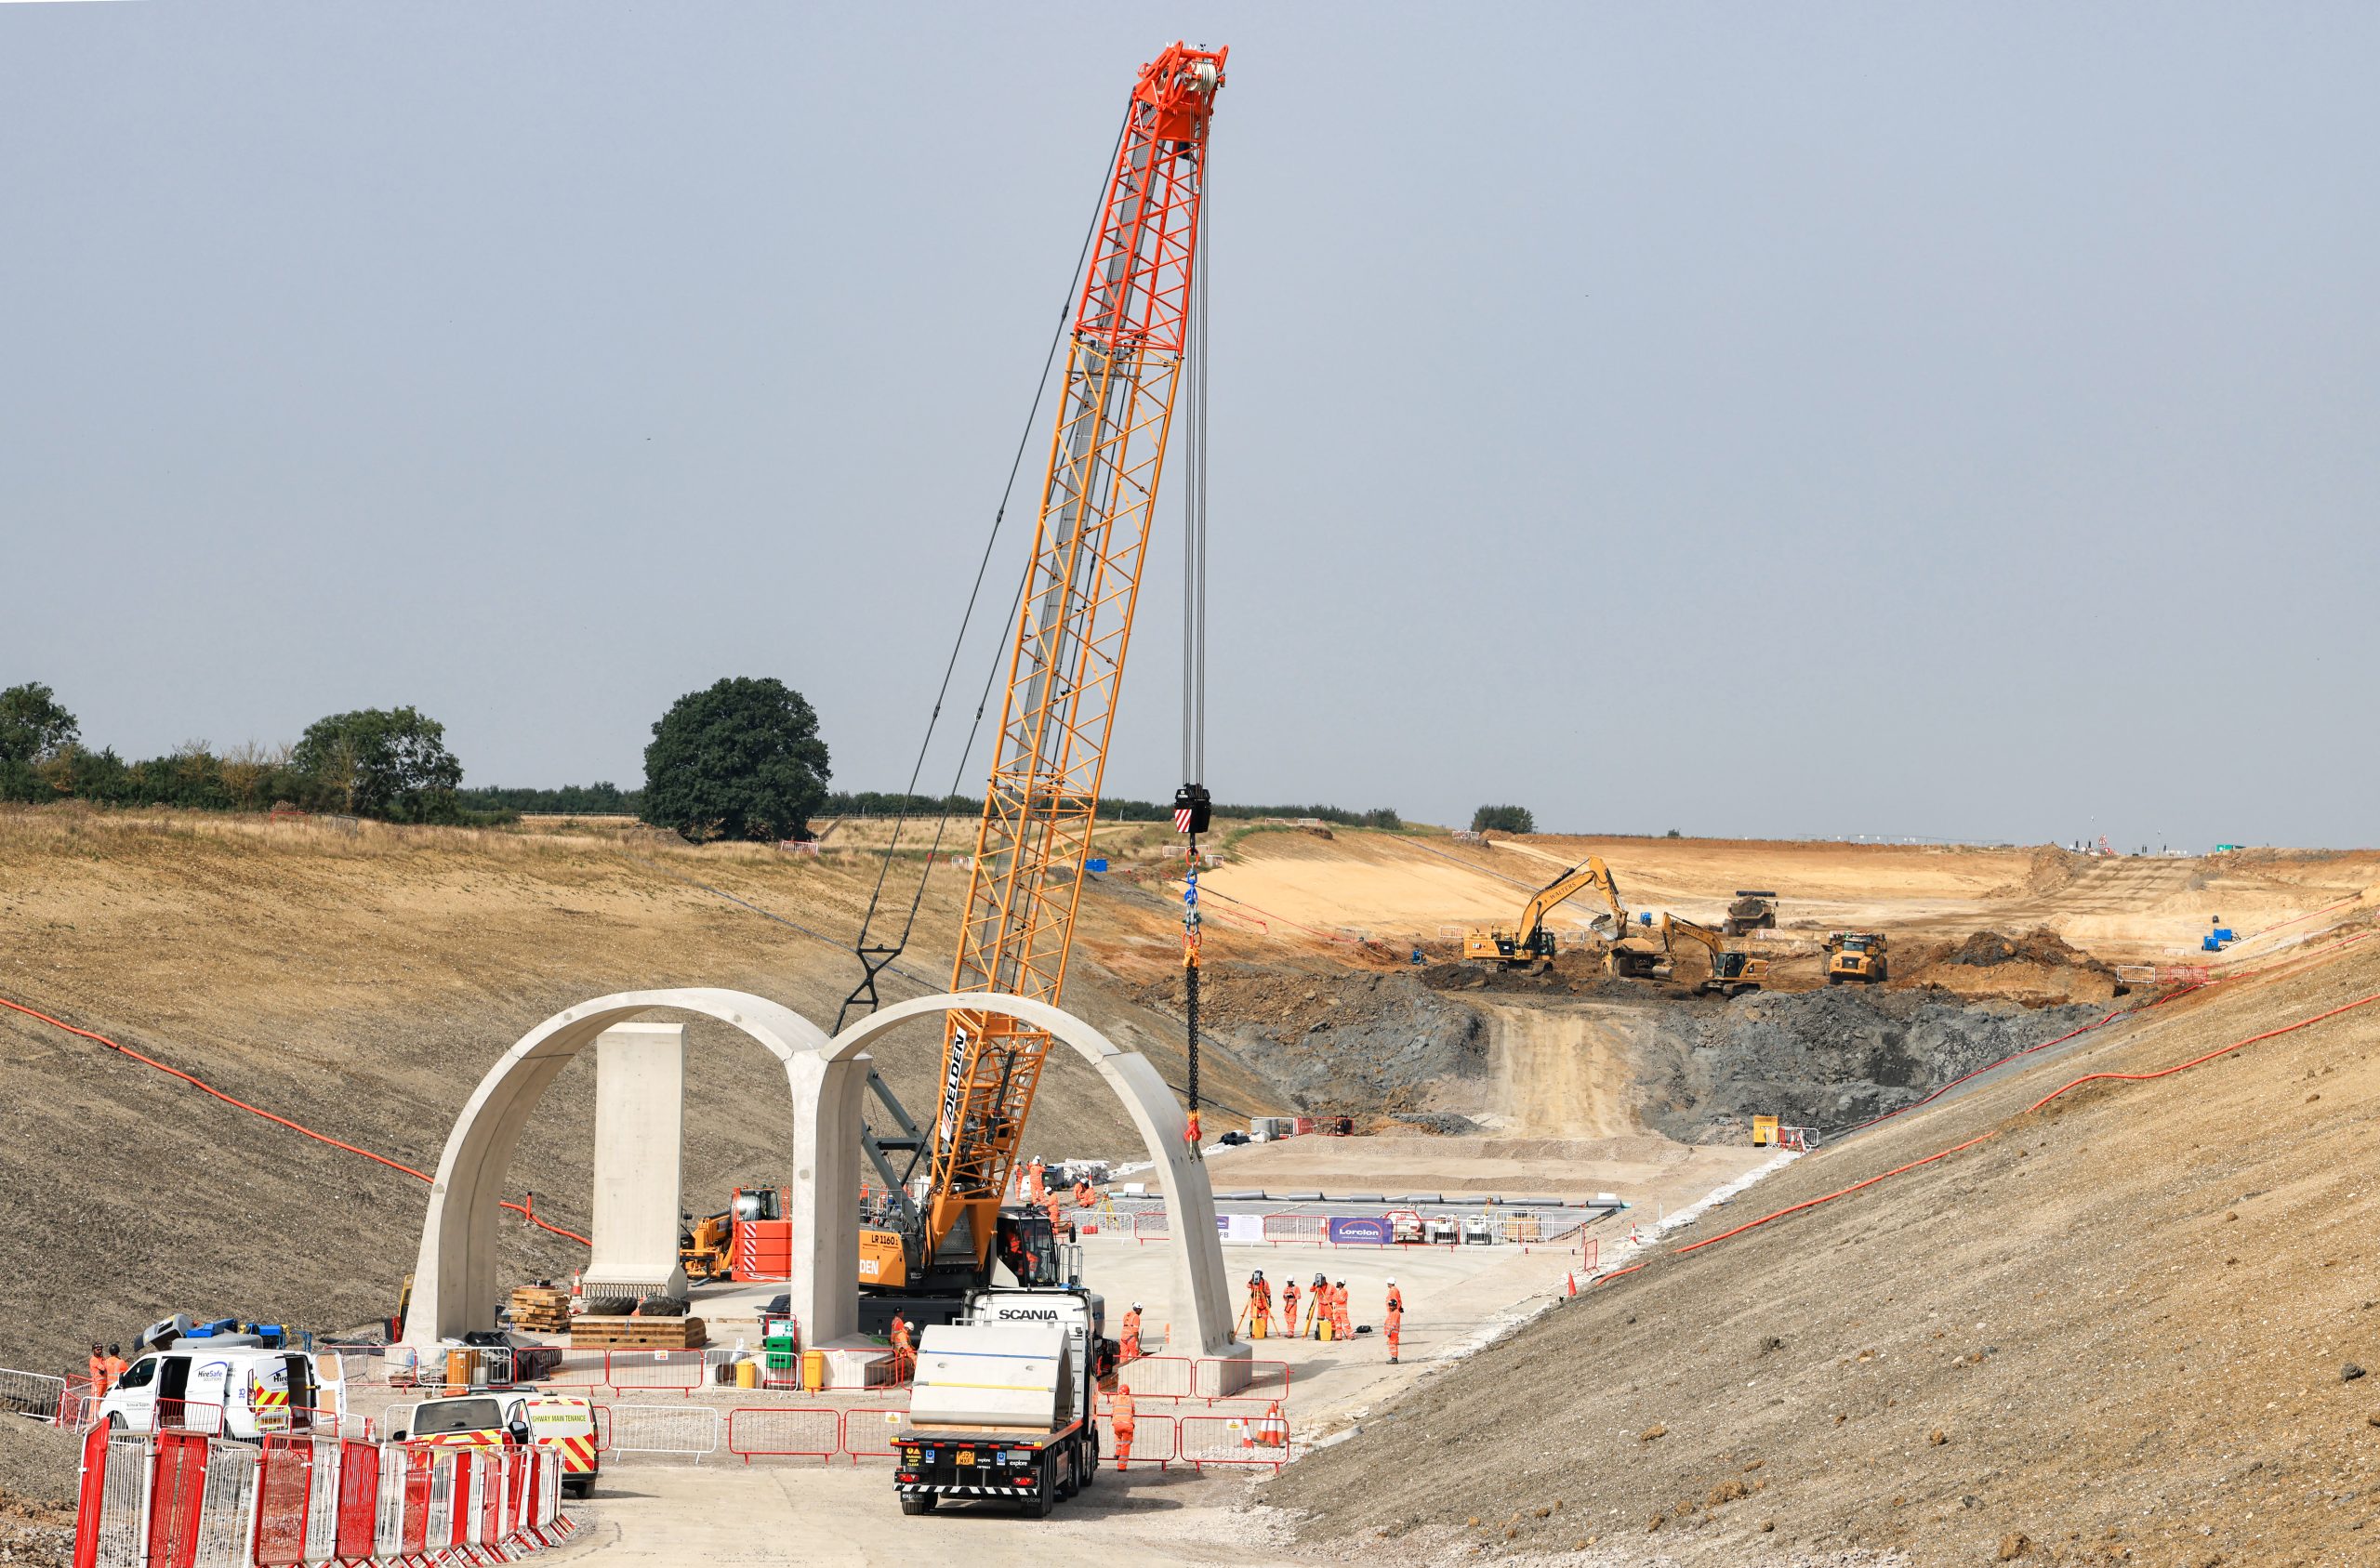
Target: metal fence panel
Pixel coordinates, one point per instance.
(321, 1501)
(1153, 1440)
(388, 1522)
(438, 1526)
(665, 1428)
(1159, 1377)
(223, 1515)
(36, 1394)
(1210, 1380)
(800, 1433)
(124, 1492)
(871, 1434)
(1252, 1439)
(681, 1371)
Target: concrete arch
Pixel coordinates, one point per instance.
(454, 1280)
(828, 1089)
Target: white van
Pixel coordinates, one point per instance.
(242, 1392)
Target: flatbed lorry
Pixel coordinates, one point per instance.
(1003, 1403)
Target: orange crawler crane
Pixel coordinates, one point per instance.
(1130, 337)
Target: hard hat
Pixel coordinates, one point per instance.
(1136, 1306)
(1257, 1275)
(1392, 1282)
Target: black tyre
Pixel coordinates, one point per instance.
(662, 1306)
(917, 1502)
(1041, 1502)
(1834, 979)
(610, 1306)
(1091, 1466)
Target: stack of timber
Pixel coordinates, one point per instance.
(637, 1334)
(540, 1309)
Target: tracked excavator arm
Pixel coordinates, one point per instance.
(1529, 943)
(1732, 970)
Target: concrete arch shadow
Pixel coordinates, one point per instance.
(455, 1278)
(828, 1091)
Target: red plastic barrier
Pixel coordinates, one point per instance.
(284, 1475)
(176, 1489)
(359, 1498)
(87, 1503)
(414, 1532)
(489, 1488)
(802, 1432)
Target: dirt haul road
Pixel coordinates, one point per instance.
(1404, 888)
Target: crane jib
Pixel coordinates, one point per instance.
(1106, 458)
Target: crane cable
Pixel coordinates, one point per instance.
(874, 960)
(1194, 634)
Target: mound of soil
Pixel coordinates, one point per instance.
(2040, 968)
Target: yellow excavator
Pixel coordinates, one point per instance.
(1732, 971)
(1529, 945)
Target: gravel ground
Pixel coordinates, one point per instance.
(2130, 1328)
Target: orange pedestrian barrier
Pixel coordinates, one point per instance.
(1152, 1439)
(1161, 1377)
(1252, 1437)
(806, 1432)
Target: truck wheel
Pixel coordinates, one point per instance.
(1091, 1466)
(916, 1502)
(1041, 1502)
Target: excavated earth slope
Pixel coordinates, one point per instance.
(361, 984)
(2129, 1327)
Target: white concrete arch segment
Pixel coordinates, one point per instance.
(455, 1285)
(827, 1159)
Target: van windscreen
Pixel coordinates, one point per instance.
(456, 1416)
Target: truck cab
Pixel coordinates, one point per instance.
(1855, 956)
(240, 1390)
(1003, 1402)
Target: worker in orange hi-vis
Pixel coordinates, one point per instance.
(1260, 1306)
(1056, 1210)
(1342, 1326)
(1395, 1320)
(1129, 1348)
(114, 1365)
(1289, 1307)
(1120, 1416)
(1033, 1187)
(1317, 1310)
(905, 1360)
(1084, 1197)
(99, 1370)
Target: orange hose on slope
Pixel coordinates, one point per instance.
(524, 1210)
(1944, 1154)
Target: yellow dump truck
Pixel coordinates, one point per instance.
(1854, 956)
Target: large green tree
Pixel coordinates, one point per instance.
(1502, 819)
(380, 763)
(33, 725)
(740, 760)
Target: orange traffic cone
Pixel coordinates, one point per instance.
(1573, 1283)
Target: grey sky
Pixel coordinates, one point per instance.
(1747, 419)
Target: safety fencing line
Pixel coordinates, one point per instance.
(2268, 963)
(184, 1500)
(1984, 1138)
(525, 1210)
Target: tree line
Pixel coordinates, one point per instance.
(741, 759)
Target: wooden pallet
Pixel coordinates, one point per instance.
(541, 1310)
(637, 1334)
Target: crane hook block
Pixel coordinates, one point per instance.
(1193, 808)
